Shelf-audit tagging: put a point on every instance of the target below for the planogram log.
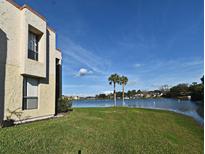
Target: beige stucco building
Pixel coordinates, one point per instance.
(30, 64)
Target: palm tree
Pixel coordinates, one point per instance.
(123, 82)
(114, 79)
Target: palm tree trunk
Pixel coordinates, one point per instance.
(114, 95)
(123, 94)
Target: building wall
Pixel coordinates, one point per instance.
(31, 67)
(14, 64)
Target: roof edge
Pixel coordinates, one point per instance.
(14, 4)
(27, 7)
(33, 11)
(30, 9)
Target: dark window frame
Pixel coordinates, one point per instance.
(31, 53)
(25, 97)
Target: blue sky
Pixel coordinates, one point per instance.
(152, 42)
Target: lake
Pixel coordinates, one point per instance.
(185, 107)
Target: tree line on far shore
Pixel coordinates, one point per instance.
(194, 91)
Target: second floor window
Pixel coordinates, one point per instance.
(33, 46)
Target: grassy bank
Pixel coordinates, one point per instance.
(106, 130)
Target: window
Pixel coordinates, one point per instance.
(30, 93)
(33, 46)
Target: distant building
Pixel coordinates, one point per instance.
(126, 98)
(147, 95)
(139, 95)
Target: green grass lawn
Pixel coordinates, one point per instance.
(106, 131)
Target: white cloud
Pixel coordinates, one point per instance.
(83, 72)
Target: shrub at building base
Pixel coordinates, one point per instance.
(64, 105)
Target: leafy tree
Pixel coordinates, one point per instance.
(128, 94)
(131, 93)
(179, 90)
(119, 94)
(123, 81)
(165, 90)
(139, 92)
(114, 79)
(157, 91)
(197, 92)
(194, 83)
(101, 96)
